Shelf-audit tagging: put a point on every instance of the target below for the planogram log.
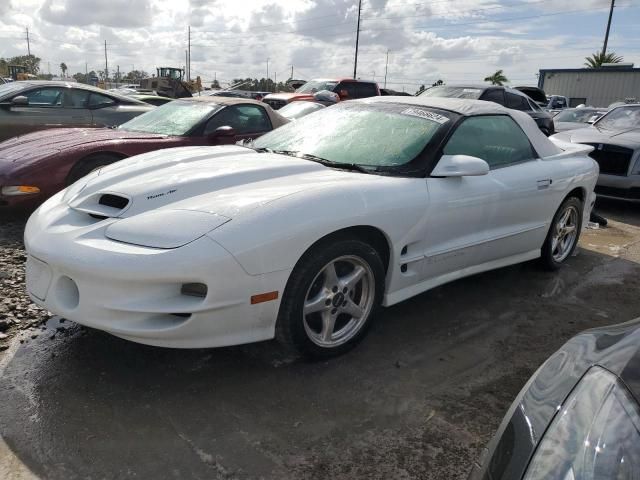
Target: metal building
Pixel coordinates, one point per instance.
(599, 87)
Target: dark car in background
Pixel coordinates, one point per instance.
(505, 96)
(35, 166)
(346, 88)
(578, 417)
(27, 106)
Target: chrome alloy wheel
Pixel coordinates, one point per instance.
(565, 233)
(339, 301)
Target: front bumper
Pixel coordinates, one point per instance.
(619, 187)
(134, 292)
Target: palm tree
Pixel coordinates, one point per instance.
(63, 67)
(497, 78)
(597, 59)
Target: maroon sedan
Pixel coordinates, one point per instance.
(34, 167)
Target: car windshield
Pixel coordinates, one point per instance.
(173, 118)
(620, 118)
(9, 88)
(296, 110)
(578, 116)
(316, 85)
(373, 135)
(453, 92)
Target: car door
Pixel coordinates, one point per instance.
(44, 109)
(488, 218)
(76, 107)
(104, 111)
(248, 121)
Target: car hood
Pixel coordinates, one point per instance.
(48, 142)
(565, 126)
(287, 97)
(593, 134)
(615, 348)
(227, 181)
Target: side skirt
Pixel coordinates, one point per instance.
(413, 290)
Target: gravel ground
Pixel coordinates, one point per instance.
(17, 312)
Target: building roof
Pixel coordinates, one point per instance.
(624, 69)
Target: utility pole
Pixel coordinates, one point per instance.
(186, 63)
(189, 57)
(606, 35)
(275, 81)
(355, 62)
(117, 76)
(291, 77)
(86, 73)
(386, 66)
(106, 65)
(28, 44)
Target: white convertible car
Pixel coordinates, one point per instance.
(305, 233)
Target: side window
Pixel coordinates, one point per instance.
(76, 98)
(517, 102)
(44, 97)
(97, 100)
(349, 87)
(496, 139)
(534, 106)
(244, 119)
(496, 95)
(365, 90)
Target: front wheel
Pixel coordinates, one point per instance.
(563, 235)
(330, 298)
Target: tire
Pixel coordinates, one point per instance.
(86, 166)
(561, 242)
(330, 327)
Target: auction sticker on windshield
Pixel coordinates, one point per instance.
(426, 114)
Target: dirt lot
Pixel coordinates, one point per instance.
(418, 399)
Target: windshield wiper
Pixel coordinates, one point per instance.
(323, 161)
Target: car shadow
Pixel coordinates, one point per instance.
(618, 210)
(418, 398)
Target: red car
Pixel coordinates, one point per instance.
(346, 88)
(35, 166)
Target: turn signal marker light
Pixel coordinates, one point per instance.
(20, 190)
(264, 297)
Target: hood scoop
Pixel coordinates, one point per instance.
(102, 205)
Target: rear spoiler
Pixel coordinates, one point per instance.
(569, 149)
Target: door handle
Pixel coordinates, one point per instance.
(544, 184)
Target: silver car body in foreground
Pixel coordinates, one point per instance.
(616, 141)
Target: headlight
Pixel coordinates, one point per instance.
(596, 434)
(164, 228)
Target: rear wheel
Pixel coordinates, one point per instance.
(88, 165)
(563, 235)
(330, 299)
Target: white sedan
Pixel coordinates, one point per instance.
(305, 233)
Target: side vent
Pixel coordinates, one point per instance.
(113, 201)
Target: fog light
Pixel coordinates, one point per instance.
(19, 190)
(194, 290)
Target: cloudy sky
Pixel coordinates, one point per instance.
(453, 40)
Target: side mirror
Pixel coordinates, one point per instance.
(343, 94)
(460, 166)
(20, 100)
(224, 135)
